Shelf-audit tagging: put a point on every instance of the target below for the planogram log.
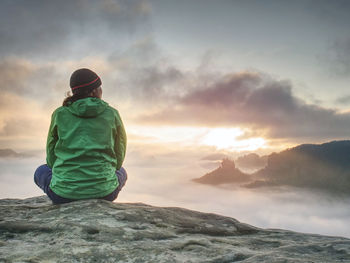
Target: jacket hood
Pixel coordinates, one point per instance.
(88, 107)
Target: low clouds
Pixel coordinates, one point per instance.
(14, 74)
(258, 102)
(40, 84)
(27, 79)
(23, 123)
(263, 105)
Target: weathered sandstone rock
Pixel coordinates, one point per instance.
(34, 230)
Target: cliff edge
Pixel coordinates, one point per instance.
(34, 230)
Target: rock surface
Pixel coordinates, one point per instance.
(34, 230)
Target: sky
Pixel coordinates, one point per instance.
(189, 78)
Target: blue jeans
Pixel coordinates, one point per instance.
(43, 175)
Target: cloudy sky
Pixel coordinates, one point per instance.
(256, 74)
(189, 78)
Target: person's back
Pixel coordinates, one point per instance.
(85, 146)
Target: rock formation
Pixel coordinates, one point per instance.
(324, 167)
(34, 230)
(227, 173)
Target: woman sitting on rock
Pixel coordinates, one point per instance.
(85, 146)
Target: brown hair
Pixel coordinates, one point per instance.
(76, 96)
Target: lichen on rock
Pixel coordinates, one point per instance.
(34, 230)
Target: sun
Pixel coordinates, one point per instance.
(228, 139)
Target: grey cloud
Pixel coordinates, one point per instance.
(235, 90)
(343, 100)
(25, 79)
(39, 40)
(154, 81)
(41, 28)
(14, 74)
(334, 12)
(339, 57)
(335, 20)
(255, 101)
(145, 74)
(140, 73)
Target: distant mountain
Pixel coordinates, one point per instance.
(322, 166)
(9, 153)
(314, 166)
(226, 173)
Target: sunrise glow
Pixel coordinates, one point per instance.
(220, 138)
(228, 139)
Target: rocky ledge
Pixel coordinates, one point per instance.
(34, 230)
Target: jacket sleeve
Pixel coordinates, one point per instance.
(52, 138)
(120, 142)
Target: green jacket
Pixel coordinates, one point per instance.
(85, 146)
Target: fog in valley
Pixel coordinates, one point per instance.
(165, 180)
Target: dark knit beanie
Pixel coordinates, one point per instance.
(84, 80)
